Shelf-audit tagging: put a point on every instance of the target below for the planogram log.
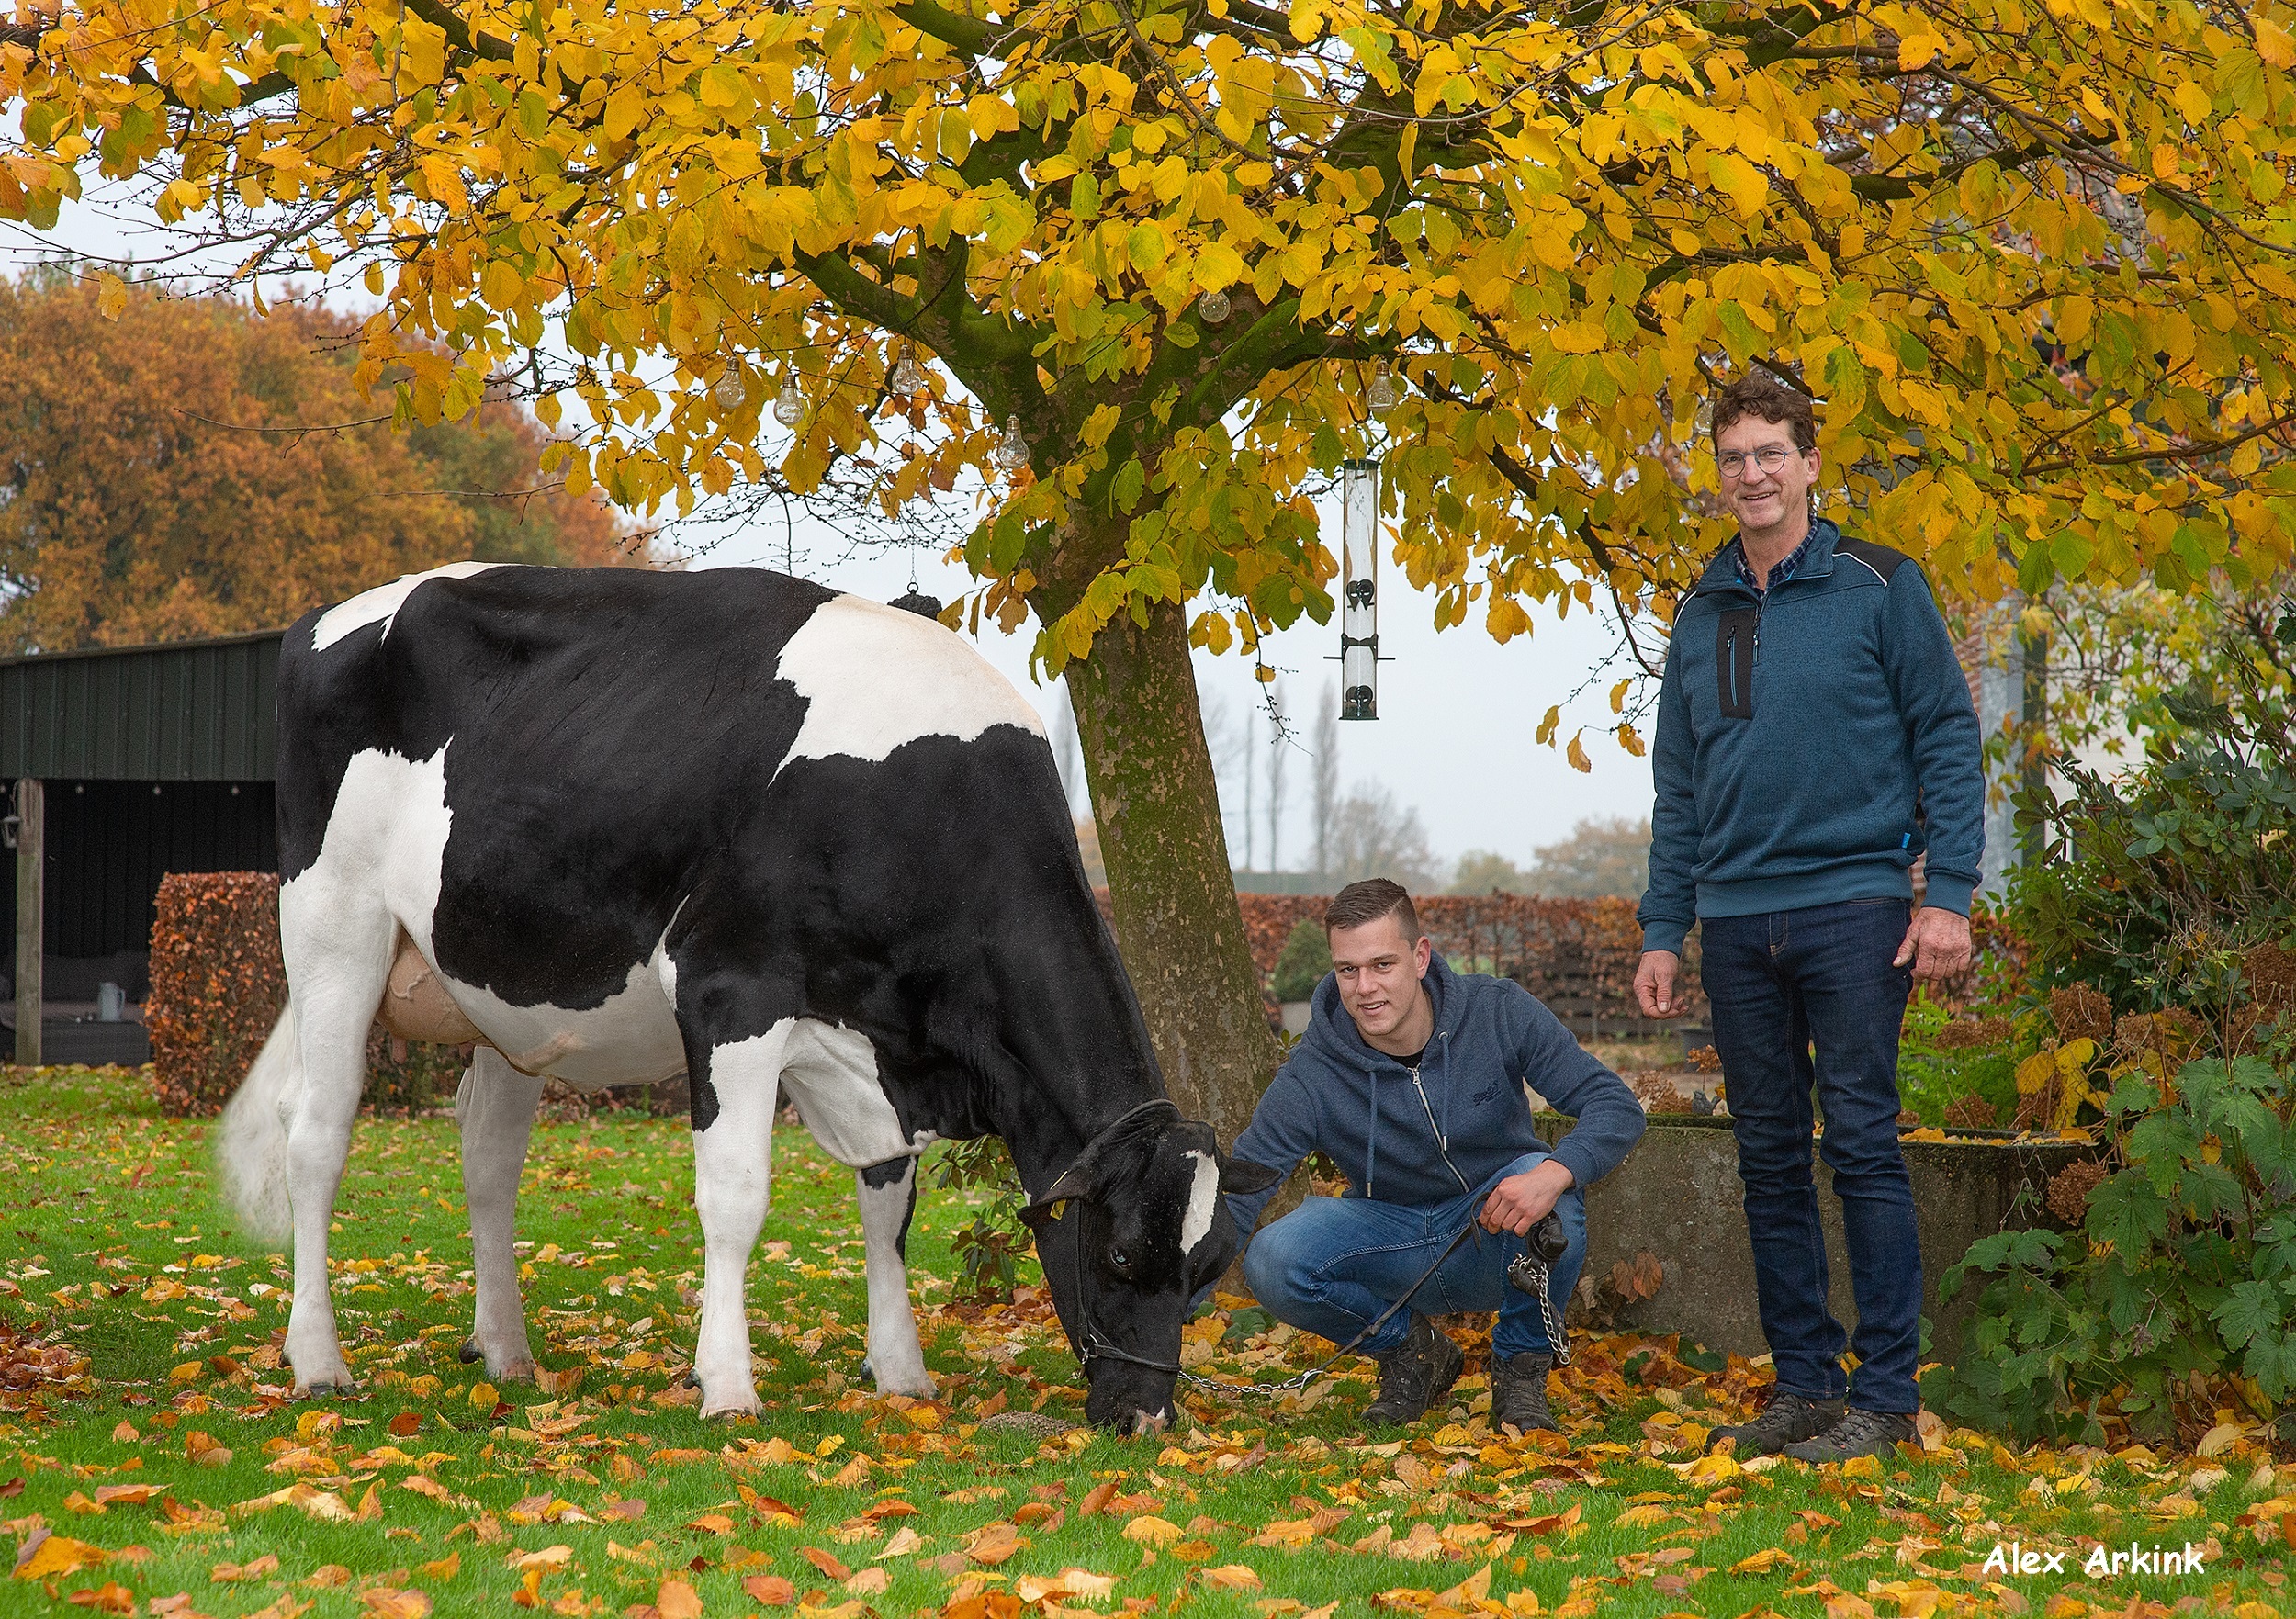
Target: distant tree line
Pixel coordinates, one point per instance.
(175, 468)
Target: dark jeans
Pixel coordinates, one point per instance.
(1332, 1264)
(1778, 985)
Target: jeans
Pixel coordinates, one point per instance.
(1778, 985)
(1332, 1265)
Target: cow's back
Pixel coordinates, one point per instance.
(614, 741)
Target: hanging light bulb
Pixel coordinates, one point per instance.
(1213, 306)
(909, 377)
(731, 393)
(1383, 393)
(789, 405)
(1012, 451)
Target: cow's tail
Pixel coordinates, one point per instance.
(252, 1136)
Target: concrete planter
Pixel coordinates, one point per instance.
(1678, 1197)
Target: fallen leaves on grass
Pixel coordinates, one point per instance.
(260, 1567)
(46, 1556)
(888, 1482)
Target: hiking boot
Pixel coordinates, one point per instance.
(1788, 1419)
(1518, 1393)
(1859, 1432)
(1414, 1375)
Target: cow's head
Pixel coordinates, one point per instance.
(1127, 1235)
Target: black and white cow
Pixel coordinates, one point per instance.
(617, 825)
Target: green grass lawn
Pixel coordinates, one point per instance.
(151, 1461)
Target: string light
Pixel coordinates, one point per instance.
(789, 405)
(1383, 393)
(908, 378)
(1213, 306)
(730, 393)
(1011, 453)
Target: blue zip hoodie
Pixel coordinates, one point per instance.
(1810, 744)
(1424, 1139)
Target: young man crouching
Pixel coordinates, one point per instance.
(1409, 1079)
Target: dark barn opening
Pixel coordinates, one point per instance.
(129, 763)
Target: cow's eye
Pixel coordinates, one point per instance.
(1119, 1259)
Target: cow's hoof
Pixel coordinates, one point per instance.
(728, 1413)
(521, 1370)
(319, 1374)
(912, 1387)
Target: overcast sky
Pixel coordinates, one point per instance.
(1454, 738)
(1456, 710)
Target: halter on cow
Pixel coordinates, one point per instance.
(616, 825)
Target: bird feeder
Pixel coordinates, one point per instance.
(1359, 582)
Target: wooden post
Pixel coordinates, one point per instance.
(30, 868)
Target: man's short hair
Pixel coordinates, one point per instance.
(1766, 396)
(1367, 901)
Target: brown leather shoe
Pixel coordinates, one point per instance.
(1518, 1393)
(1788, 1419)
(1414, 1375)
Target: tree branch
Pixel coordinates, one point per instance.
(459, 32)
(2199, 450)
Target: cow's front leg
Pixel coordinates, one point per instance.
(734, 1098)
(888, 1197)
(495, 1107)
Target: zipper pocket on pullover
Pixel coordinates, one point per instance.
(1442, 1145)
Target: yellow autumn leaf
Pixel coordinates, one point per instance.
(1230, 1577)
(1151, 1531)
(422, 58)
(1747, 187)
(56, 1555)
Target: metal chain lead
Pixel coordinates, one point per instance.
(1533, 1275)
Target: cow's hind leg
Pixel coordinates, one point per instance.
(735, 1093)
(338, 946)
(496, 1109)
(888, 1197)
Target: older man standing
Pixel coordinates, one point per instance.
(1815, 736)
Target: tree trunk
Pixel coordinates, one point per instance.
(1178, 922)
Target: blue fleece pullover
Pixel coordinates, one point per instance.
(1423, 1139)
(1810, 744)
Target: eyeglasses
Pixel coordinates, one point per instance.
(1770, 457)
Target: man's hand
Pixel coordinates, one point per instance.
(1521, 1201)
(1654, 985)
(1937, 944)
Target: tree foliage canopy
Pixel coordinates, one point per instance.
(168, 472)
(2032, 255)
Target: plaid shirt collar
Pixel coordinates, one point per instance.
(1778, 575)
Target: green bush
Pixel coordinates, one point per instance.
(2176, 1290)
(1957, 1071)
(2160, 889)
(2162, 1024)
(991, 1244)
(1307, 955)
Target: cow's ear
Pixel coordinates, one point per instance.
(1241, 1175)
(1076, 1181)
